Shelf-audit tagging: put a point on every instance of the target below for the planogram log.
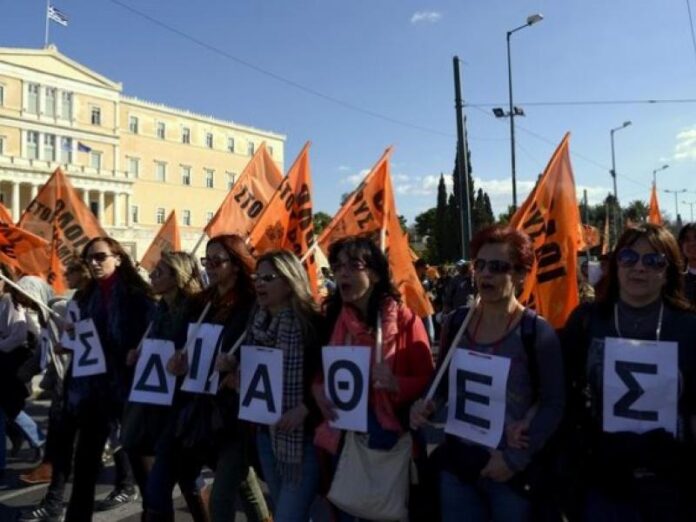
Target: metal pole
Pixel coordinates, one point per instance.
(512, 126)
(47, 24)
(676, 203)
(616, 195)
(587, 221)
(462, 166)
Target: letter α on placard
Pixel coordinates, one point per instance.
(261, 384)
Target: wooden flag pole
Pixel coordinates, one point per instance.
(47, 309)
(198, 243)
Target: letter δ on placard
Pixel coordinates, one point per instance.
(202, 376)
(44, 348)
(641, 385)
(152, 383)
(88, 355)
(477, 396)
(261, 384)
(346, 384)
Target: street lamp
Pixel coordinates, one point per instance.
(512, 110)
(613, 175)
(655, 171)
(676, 203)
(691, 204)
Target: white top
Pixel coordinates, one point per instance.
(13, 325)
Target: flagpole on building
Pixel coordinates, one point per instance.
(48, 5)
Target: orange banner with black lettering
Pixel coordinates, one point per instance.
(287, 220)
(551, 218)
(654, 215)
(244, 204)
(58, 215)
(19, 248)
(167, 239)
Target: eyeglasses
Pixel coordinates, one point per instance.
(495, 266)
(157, 273)
(266, 278)
(627, 258)
(213, 262)
(99, 257)
(354, 265)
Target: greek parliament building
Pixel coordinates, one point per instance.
(132, 161)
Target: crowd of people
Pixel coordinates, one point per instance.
(556, 456)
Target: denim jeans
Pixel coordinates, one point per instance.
(480, 502)
(291, 500)
(30, 429)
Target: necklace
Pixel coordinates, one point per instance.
(658, 330)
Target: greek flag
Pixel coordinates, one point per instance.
(58, 17)
(81, 147)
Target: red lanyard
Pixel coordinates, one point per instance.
(497, 344)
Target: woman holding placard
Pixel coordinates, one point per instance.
(115, 311)
(366, 312)
(287, 319)
(505, 389)
(632, 369)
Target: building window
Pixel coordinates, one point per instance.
(66, 105)
(186, 218)
(231, 178)
(185, 135)
(230, 144)
(185, 175)
(161, 130)
(133, 124)
(66, 150)
(134, 213)
(50, 108)
(133, 167)
(95, 117)
(33, 98)
(160, 216)
(209, 216)
(49, 152)
(32, 145)
(94, 207)
(95, 160)
(209, 140)
(160, 171)
(250, 148)
(209, 178)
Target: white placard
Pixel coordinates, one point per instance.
(152, 383)
(641, 385)
(201, 358)
(44, 348)
(72, 311)
(346, 384)
(477, 396)
(261, 384)
(88, 356)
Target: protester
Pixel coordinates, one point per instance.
(460, 289)
(365, 297)
(687, 245)
(635, 471)
(288, 319)
(476, 482)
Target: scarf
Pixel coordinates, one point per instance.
(283, 331)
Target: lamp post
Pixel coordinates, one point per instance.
(655, 171)
(617, 214)
(691, 205)
(514, 111)
(676, 203)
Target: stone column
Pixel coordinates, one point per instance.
(15, 200)
(117, 210)
(85, 197)
(34, 191)
(128, 210)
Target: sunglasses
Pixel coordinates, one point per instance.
(213, 262)
(266, 278)
(354, 265)
(99, 257)
(495, 266)
(627, 258)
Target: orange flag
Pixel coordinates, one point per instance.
(605, 235)
(5, 216)
(166, 240)
(244, 204)
(363, 211)
(654, 215)
(590, 236)
(59, 215)
(550, 216)
(18, 248)
(287, 220)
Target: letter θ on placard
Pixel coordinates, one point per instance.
(88, 355)
(152, 383)
(202, 376)
(346, 384)
(261, 384)
(477, 396)
(640, 385)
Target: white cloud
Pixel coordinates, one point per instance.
(355, 179)
(685, 149)
(344, 168)
(426, 17)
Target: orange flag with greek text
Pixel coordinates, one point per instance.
(59, 215)
(287, 220)
(167, 239)
(242, 207)
(19, 248)
(551, 218)
(654, 215)
(5, 216)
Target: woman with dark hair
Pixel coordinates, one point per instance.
(687, 245)
(366, 297)
(119, 302)
(637, 448)
(488, 478)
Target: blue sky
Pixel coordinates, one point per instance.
(394, 58)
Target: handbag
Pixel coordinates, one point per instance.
(372, 483)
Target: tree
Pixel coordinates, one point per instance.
(402, 222)
(321, 221)
(425, 222)
(439, 234)
(637, 212)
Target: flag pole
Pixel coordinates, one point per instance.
(198, 244)
(48, 5)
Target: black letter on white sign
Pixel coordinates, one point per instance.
(625, 371)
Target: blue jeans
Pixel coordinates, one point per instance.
(291, 501)
(30, 429)
(480, 502)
